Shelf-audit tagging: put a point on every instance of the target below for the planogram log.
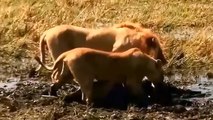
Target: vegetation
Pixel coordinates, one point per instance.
(185, 26)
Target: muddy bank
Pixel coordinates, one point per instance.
(23, 98)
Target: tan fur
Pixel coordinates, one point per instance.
(135, 26)
(117, 38)
(87, 64)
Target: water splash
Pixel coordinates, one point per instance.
(10, 84)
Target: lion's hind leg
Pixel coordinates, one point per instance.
(55, 75)
(63, 79)
(60, 76)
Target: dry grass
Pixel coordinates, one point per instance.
(185, 26)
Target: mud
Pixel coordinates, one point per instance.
(24, 98)
(21, 97)
(204, 85)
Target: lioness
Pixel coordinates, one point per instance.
(117, 38)
(87, 64)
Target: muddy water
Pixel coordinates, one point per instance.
(204, 85)
(201, 84)
(10, 85)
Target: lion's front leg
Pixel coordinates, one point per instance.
(86, 84)
(137, 94)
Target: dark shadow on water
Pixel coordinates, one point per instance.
(164, 94)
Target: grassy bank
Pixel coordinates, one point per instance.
(186, 27)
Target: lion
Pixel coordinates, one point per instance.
(118, 38)
(86, 64)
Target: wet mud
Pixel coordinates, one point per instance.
(27, 99)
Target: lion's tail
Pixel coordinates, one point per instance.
(42, 50)
(42, 64)
(58, 63)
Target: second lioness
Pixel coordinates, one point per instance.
(120, 37)
(87, 64)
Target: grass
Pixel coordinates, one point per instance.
(186, 27)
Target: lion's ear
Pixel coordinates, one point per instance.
(159, 63)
